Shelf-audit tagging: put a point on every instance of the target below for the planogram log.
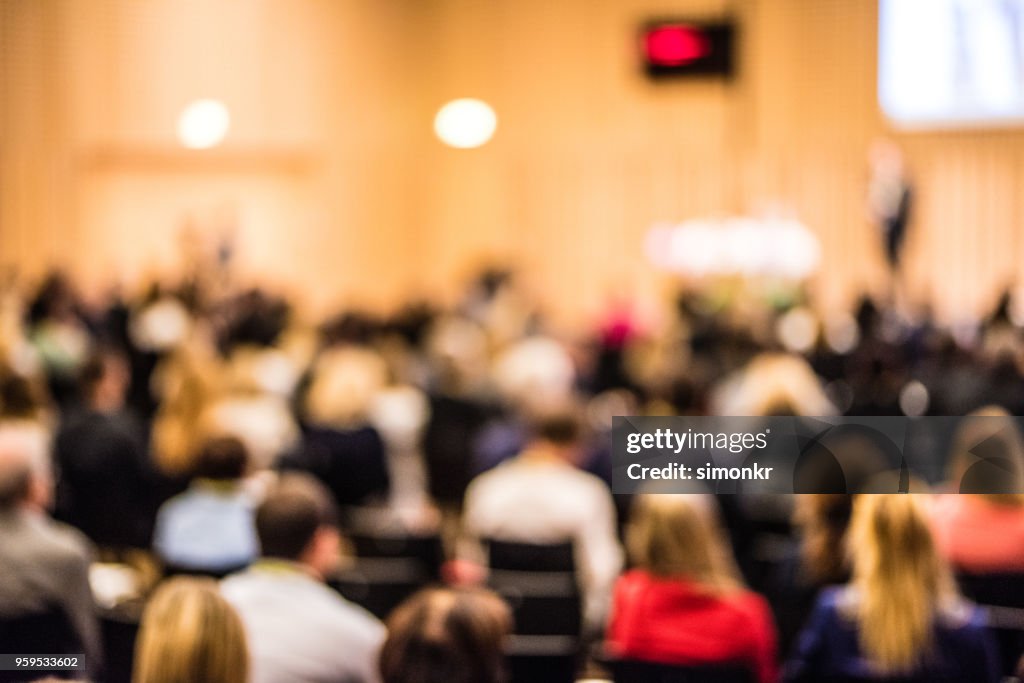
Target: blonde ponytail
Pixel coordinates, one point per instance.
(900, 581)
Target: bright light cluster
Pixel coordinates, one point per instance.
(735, 246)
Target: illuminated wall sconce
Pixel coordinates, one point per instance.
(465, 123)
(203, 124)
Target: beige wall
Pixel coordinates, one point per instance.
(336, 185)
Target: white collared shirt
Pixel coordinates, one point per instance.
(547, 500)
(301, 631)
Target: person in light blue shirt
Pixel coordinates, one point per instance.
(210, 528)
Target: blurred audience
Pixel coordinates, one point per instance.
(900, 617)
(189, 633)
(243, 408)
(684, 601)
(445, 635)
(223, 390)
(299, 629)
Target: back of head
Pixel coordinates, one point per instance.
(776, 384)
(446, 636)
(104, 378)
(560, 426)
(222, 458)
(288, 519)
(823, 520)
(901, 581)
(24, 468)
(987, 456)
(345, 381)
(190, 633)
(19, 397)
(676, 536)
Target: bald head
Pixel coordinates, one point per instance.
(24, 467)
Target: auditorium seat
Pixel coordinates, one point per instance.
(388, 567)
(424, 549)
(119, 629)
(1003, 593)
(216, 574)
(633, 671)
(539, 584)
(379, 584)
(45, 633)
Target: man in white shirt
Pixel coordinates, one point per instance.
(298, 629)
(541, 497)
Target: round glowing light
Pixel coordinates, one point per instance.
(465, 123)
(797, 329)
(203, 124)
(914, 399)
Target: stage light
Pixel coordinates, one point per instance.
(465, 123)
(203, 124)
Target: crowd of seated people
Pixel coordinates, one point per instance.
(205, 432)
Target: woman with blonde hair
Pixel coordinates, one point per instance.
(340, 445)
(190, 633)
(900, 616)
(684, 603)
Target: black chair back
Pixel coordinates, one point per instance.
(380, 584)
(1002, 589)
(539, 583)
(1004, 593)
(120, 632)
(531, 557)
(633, 671)
(425, 549)
(390, 564)
(43, 633)
(207, 572)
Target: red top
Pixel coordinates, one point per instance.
(979, 536)
(675, 621)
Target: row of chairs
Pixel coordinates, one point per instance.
(538, 582)
(1003, 596)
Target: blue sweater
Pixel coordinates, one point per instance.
(828, 649)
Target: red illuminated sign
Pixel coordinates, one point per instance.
(681, 47)
(675, 44)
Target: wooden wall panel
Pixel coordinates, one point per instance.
(350, 198)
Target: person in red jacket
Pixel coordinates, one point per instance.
(684, 603)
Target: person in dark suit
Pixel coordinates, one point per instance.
(340, 446)
(890, 198)
(105, 480)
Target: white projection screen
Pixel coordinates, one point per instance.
(951, 63)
